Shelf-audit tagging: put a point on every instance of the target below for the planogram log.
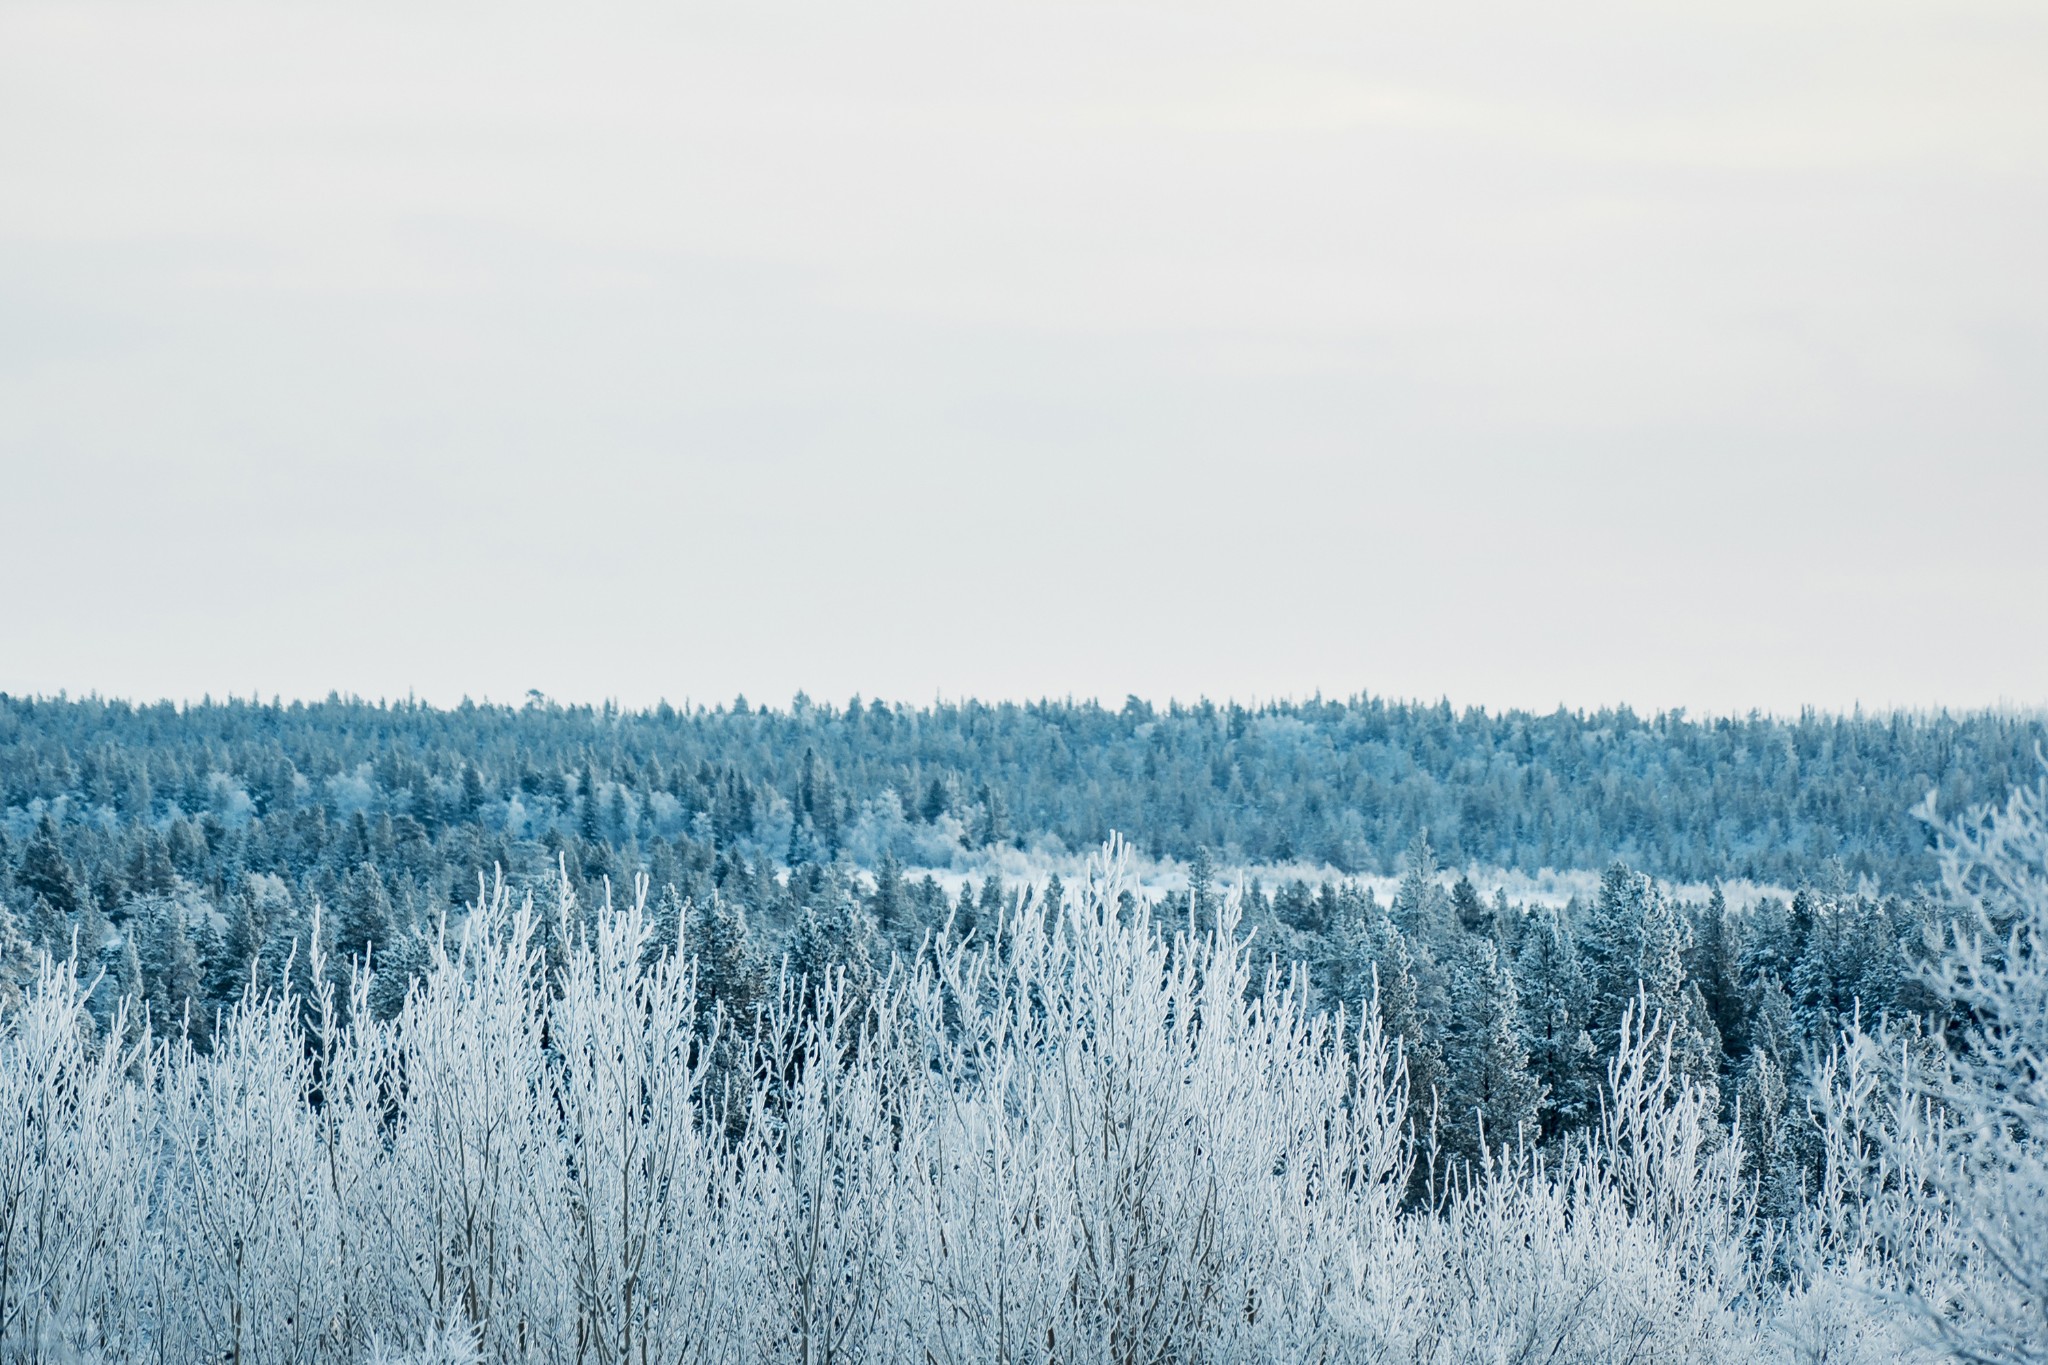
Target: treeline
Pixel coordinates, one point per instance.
(1348, 784)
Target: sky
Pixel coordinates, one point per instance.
(1667, 354)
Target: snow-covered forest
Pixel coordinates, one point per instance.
(352, 1033)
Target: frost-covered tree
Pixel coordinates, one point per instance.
(1612, 947)
(1471, 913)
(1421, 906)
(1095, 1134)
(730, 969)
(1492, 1099)
(1557, 1006)
(835, 936)
(17, 962)
(363, 917)
(165, 931)
(1395, 996)
(1954, 1171)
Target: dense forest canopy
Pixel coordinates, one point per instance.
(1347, 784)
(236, 897)
(179, 851)
(1093, 1129)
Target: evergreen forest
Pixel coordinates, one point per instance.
(279, 904)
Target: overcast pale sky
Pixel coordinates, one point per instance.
(1671, 354)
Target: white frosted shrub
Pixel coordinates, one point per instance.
(77, 1174)
(1936, 1198)
(1098, 1141)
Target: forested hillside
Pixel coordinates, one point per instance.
(1091, 1130)
(183, 849)
(1346, 784)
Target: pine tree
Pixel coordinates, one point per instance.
(17, 963)
(830, 937)
(230, 967)
(1202, 885)
(1612, 948)
(1421, 908)
(44, 871)
(1469, 911)
(1557, 1004)
(1404, 1017)
(730, 969)
(1767, 1149)
(1716, 965)
(163, 930)
(363, 919)
(887, 904)
(588, 824)
(1493, 1099)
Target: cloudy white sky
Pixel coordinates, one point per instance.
(1675, 354)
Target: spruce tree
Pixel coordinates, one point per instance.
(991, 909)
(1716, 965)
(624, 828)
(1767, 1148)
(396, 962)
(818, 801)
(469, 798)
(149, 864)
(666, 926)
(1343, 971)
(966, 915)
(1665, 993)
(1505, 925)
(125, 988)
(992, 824)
